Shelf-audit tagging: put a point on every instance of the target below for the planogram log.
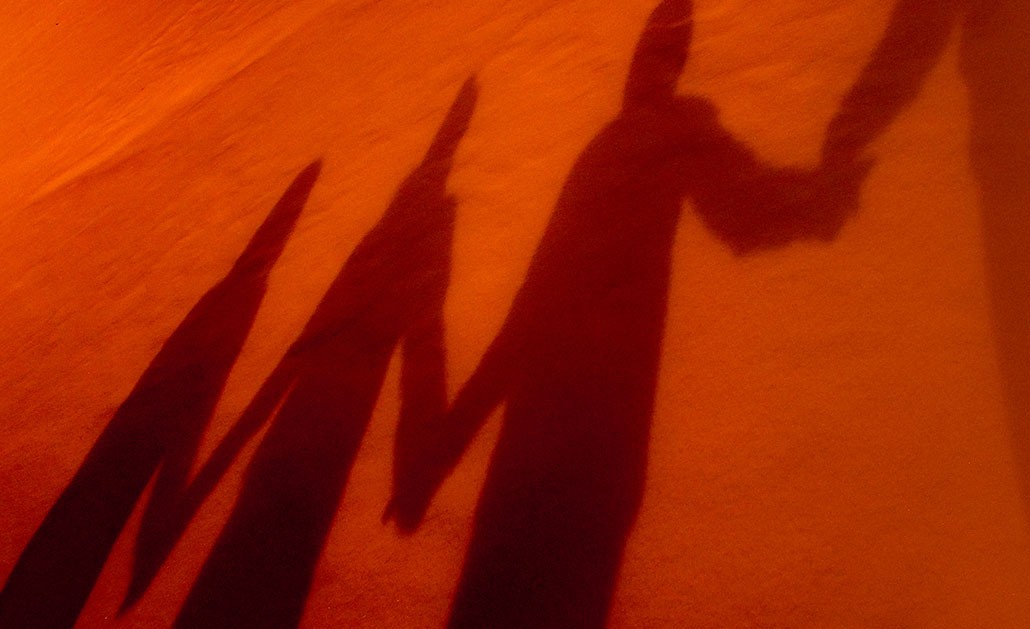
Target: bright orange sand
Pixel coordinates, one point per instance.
(840, 434)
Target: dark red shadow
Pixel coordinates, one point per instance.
(158, 427)
(577, 359)
(995, 63)
(995, 54)
(390, 291)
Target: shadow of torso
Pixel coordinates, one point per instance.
(584, 339)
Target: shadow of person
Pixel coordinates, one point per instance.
(390, 290)
(995, 58)
(994, 55)
(577, 357)
(158, 426)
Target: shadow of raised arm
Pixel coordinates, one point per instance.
(916, 37)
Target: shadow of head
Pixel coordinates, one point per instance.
(661, 54)
(456, 122)
(429, 178)
(269, 240)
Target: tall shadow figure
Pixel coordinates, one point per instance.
(390, 291)
(157, 429)
(994, 52)
(577, 358)
(995, 63)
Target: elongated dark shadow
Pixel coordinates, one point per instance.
(391, 290)
(995, 63)
(158, 426)
(995, 55)
(577, 358)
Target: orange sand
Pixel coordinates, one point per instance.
(836, 441)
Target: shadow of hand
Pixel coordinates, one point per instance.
(839, 191)
(752, 206)
(412, 493)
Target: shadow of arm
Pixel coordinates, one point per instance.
(916, 37)
(434, 448)
(159, 535)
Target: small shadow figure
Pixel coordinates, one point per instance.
(157, 429)
(577, 358)
(390, 291)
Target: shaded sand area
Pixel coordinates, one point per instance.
(835, 432)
